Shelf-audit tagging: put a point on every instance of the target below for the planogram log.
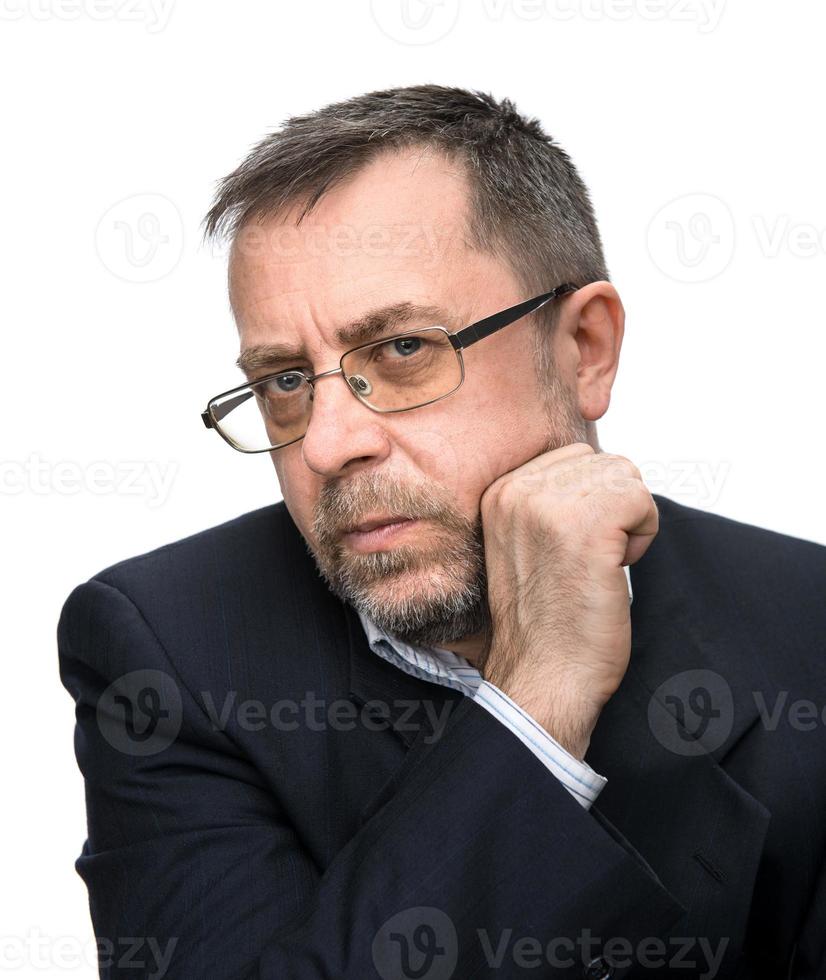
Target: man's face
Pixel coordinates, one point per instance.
(394, 234)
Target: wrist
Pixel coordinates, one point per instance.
(565, 710)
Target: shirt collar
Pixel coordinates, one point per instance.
(434, 664)
(431, 663)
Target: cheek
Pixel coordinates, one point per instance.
(490, 433)
(498, 430)
(461, 459)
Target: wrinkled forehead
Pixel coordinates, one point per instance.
(402, 219)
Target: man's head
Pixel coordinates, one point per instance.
(440, 198)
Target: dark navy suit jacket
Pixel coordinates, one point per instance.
(268, 798)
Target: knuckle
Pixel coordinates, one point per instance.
(621, 465)
(496, 497)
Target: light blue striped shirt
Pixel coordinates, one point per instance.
(442, 666)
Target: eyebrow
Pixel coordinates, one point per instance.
(369, 327)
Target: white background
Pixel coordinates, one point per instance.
(697, 126)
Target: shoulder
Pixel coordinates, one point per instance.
(225, 609)
(236, 577)
(740, 558)
(247, 537)
(732, 597)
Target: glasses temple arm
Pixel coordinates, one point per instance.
(484, 328)
(221, 411)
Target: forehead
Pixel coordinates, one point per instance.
(393, 232)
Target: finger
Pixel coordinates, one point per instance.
(642, 534)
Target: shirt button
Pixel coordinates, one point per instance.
(598, 969)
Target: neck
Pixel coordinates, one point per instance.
(473, 648)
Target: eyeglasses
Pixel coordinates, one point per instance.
(395, 374)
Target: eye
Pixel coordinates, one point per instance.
(283, 384)
(403, 346)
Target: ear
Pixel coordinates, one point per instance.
(591, 328)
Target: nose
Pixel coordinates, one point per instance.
(343, 433)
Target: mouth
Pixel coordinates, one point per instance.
(373, 534)
(374, 522)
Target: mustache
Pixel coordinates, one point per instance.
(341, 506)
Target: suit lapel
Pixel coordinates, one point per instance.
(414, 706)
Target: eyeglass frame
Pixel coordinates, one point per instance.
(459, 341)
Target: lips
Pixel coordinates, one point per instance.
(375, 522)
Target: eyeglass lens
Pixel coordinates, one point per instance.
(390, 375)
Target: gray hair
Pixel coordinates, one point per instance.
(528, 205)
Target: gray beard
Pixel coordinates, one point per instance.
(427, 616)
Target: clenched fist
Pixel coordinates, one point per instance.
(558, 531)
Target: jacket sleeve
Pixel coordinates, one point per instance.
(194, 870)
(576, 775)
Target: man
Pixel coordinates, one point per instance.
(406, 723)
